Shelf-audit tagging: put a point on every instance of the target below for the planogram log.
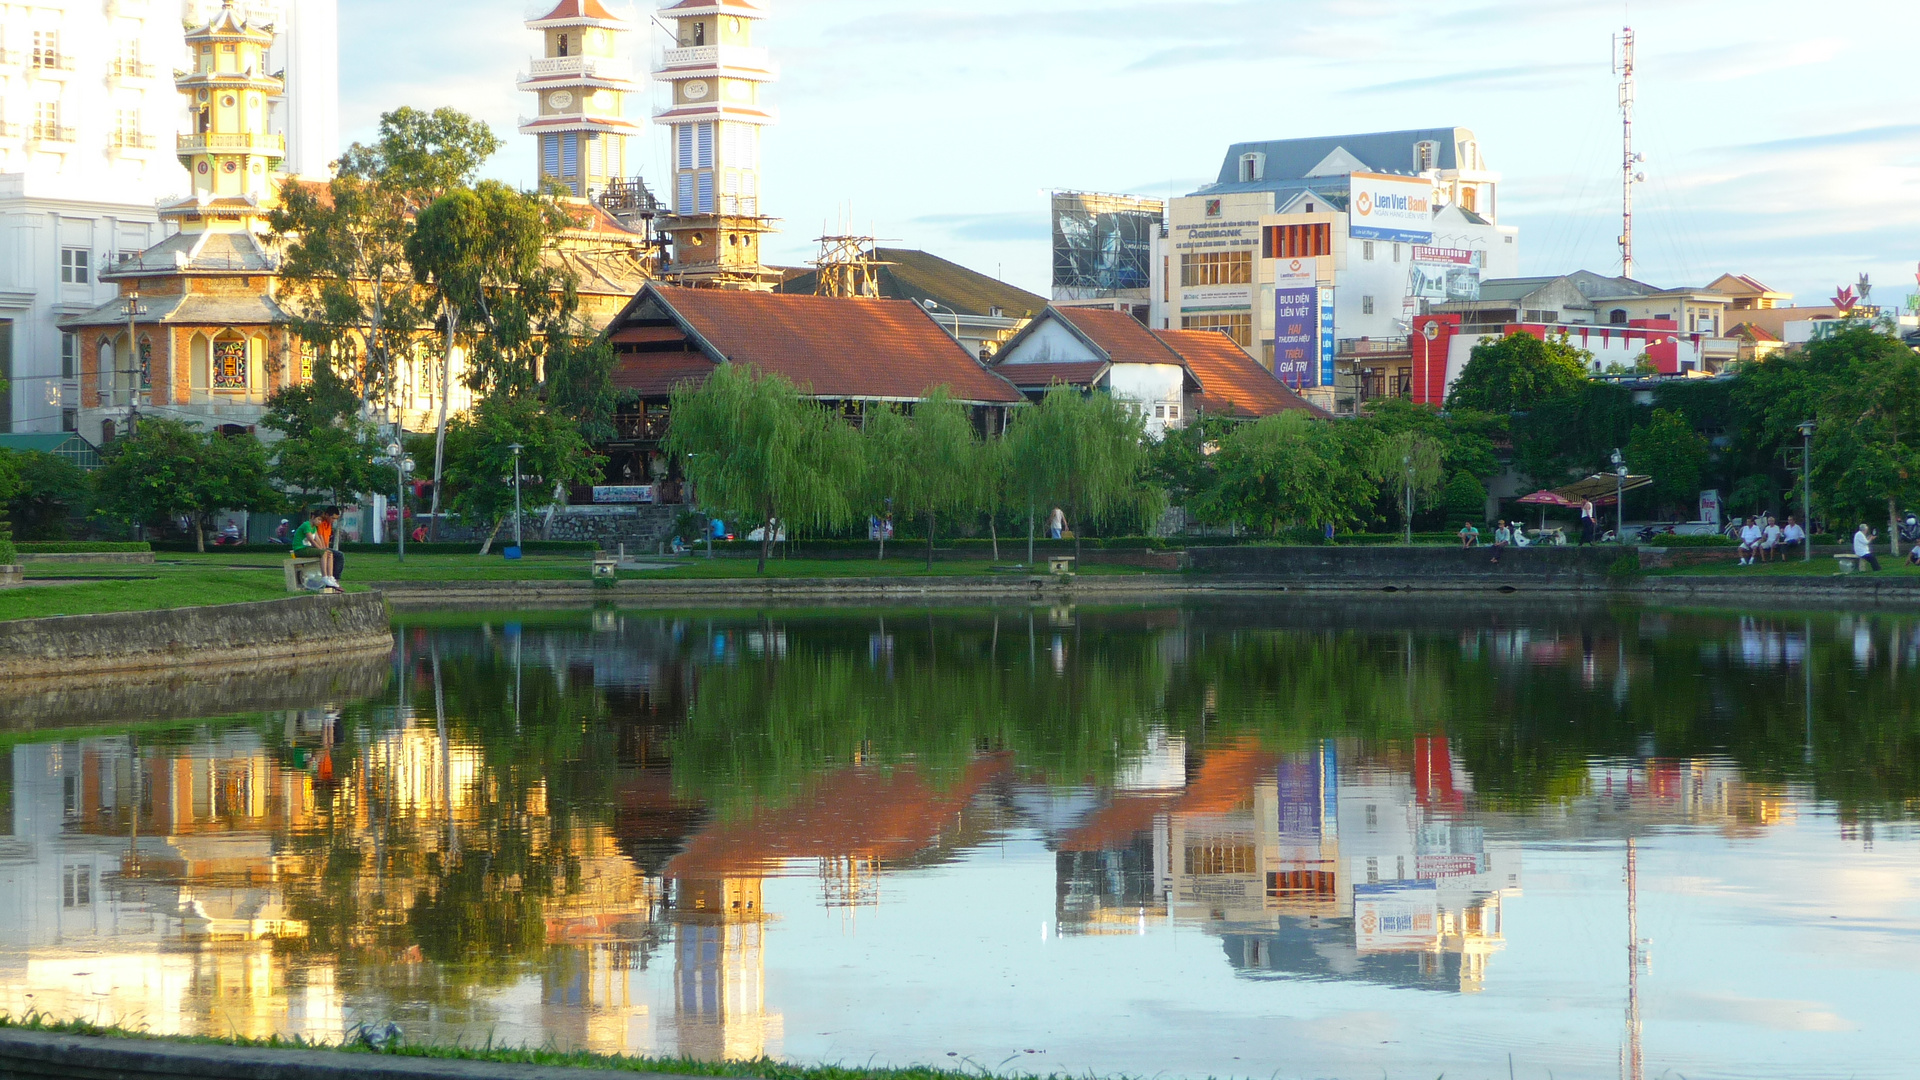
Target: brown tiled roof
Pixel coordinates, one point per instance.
(841, 349)
(1231, 382)
(578, 9)
(656, 374)
(1070, 372)
(907, 274)
(1119, 335)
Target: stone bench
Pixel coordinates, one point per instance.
(1060, 564)
(297, 570)
(1849, 564)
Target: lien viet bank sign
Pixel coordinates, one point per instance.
(1394, 208)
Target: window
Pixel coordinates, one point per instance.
(705, 160)
(1618, 317)
(1469, 199)
(1159, 412)
(569, 155)
(1252, 167)
(1237, 325)
(69, 419)
(46, 120)
(126, 130)
(1366, 250)
(700, 33)
(683, 195)
(1296, 241)
(1366, 305)
(1217, 268)
(563, 44)
(705, 183)
(550, 155)
(1424, 155)
(683, 140)
(1396, 253)
(76, 886)
(1173, 411)
(46, 48)
(69, 356)
(76, 266)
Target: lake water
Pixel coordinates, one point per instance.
(1351, 839)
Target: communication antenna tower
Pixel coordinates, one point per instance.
(1629, 161)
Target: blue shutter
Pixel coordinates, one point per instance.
(569, 155)
(684, 204)
(706, 192)
(550, 155)
(684, 135)
(706, 146)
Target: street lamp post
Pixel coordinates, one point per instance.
(394, 452)
(931, 304)
(516, 448)
(1806, 489)
(132, 307)
(1619, 496)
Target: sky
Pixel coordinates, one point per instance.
(1782, 137)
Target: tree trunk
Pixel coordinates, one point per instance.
(200, 534)
(1030, 513)
(440, 428)
(1893, 528)
(488, 544)
(993, 534)
(883, 540)
(766, 539)
(930, 521)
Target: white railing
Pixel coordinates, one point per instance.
(729, 56)
(272, 144)
(564, 65)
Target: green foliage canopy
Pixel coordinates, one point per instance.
(168, 468)
(1516, 372)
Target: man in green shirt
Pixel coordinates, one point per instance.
(314, 540)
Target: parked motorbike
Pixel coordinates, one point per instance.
(1909, 528)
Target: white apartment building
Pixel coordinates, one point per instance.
(88, 121)
(1316, 254)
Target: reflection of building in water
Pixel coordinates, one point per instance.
(719, 970)
(1690, 791)
(1304, 863)
(143, 886)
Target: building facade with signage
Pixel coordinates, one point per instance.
(1317, 254)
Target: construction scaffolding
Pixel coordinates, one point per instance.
(848, 266)
(1103, 245)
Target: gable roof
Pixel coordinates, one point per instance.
(1123, 338)
(877, 350)
(1232, 383)
(1042, 374)
(910, 274)
(1290, 161)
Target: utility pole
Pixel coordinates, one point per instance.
(133, 308)
(1623, 67)
(516, 448)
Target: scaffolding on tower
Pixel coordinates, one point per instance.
(849, 267)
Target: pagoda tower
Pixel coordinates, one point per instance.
(581, 127)
(718, 78)
(228, 151)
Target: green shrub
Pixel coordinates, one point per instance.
(1465, 499)
(82, 547)
(8, 556)
(1625, 568)
(1714, 540)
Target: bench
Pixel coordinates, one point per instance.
(297, 570)
(1059, 564)
(1849, 564)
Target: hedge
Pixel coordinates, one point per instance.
(1710, 540)
(80, 547)
(466, 547)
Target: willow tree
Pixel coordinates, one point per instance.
(756, 448)
(943, 456)
(1083, 452)
(887, 473)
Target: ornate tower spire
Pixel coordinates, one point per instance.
(233, 159)
(718, 77)
(581, 127)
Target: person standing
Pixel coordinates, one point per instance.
(1587, 524)
(1056, 524)
(1863, 546)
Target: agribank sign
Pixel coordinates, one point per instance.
(1392, 208)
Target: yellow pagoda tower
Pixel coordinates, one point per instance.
(228, 151)
(718, 77)
(581, 126)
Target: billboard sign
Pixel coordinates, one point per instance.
(1326, 337)
(1295, 273)
(1395, 208)
(1296, 335)
(1441, 275)
(1103, 244)
(1396, 916)
(1217, 298)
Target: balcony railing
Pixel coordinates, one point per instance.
(266, 144)
(48, 131)
(733, 56)
(49, 60)
(128, 68)
(12, 131)
(1370, 346)
(131, 140)
(547, 66)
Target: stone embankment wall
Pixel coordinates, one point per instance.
(226, 634)
(1413, 568)
(84, 698)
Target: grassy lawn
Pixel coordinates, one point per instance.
(1821, 566)
(765, 1068)
(191, 579)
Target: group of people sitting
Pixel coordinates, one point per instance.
(1505, 535)
(1762, 539)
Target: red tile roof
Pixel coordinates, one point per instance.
(841, 349)
(1232, 383)
(656, 374)
(1121, 336)
(579, 9)
(1071, 372)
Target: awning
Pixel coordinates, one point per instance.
(1600, 489)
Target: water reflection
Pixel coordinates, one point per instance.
(604, 831)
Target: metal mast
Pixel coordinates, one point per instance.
(1623, 67)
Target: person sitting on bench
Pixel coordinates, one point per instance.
(314, 540)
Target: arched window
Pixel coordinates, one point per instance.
(109, 371)
(1618, 316)
(231, 364)
(1253, 167)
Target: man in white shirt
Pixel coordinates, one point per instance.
(1792, 536)
(1750, 534)
(1769, 540)
(1863, 546)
